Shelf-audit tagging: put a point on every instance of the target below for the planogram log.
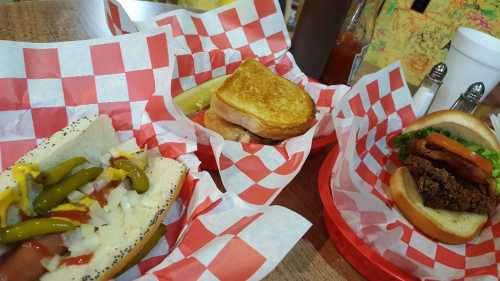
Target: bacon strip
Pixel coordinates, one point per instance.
(459, 165)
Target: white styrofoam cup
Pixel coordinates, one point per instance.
(474, 56)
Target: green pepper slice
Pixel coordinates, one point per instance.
(55, 174)
(56, 194)
(137, 176)
(33, 227)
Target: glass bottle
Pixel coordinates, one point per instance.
(352, 42)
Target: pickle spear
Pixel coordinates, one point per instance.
(148, 246)
(56, 194)
(198, 98)
(55, 174)
(33, 227)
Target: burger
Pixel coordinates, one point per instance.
(449, 181)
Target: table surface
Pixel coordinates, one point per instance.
(314, 257)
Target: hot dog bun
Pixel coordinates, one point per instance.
(118, 231)
(77, 139)
(120, 241)
(446, 226)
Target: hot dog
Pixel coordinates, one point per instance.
(73, 193)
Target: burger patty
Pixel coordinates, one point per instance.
(442, 190)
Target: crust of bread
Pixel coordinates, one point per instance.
(462, 124)
(230, 131)
(443, 225)
(264, 103)
(77, 139)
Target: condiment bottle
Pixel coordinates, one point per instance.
(468, 101)
(352, 43)
(314, 37)
(428, 89)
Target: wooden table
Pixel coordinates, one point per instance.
(314, 257)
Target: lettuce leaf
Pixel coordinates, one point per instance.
(494, 157)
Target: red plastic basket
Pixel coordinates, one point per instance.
(361, 256)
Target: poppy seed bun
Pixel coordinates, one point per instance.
(92, 138)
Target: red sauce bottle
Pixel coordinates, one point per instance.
(352, 42)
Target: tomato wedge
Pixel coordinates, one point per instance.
(461, 150)
(198, 117)
(83, 259)
(79, 216)
(101, 194)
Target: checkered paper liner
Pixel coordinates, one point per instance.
(44, 86)
(376, 109)
(47, 85)
(213, 44)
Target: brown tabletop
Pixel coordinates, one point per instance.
(314, 257)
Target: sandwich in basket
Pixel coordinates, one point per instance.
(450, 179)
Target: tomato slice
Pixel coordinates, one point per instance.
(101, 194)
(461, 150)
(78, 260)
(198, 117)
(79, 216)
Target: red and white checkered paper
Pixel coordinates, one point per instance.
(46, 86)
(376, 109)
(213, 44)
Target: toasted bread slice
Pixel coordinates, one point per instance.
(446, 226)
(228, 131)
(264, 103)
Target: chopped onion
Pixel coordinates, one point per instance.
(51, 264)
(13, 215)
(76, 196)
(81, 241)
(100, 182)
(116, 216)
(140, 159)
(105, 158)
(115, 196)
(133, 197)
(97, 215)
(88, 188)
